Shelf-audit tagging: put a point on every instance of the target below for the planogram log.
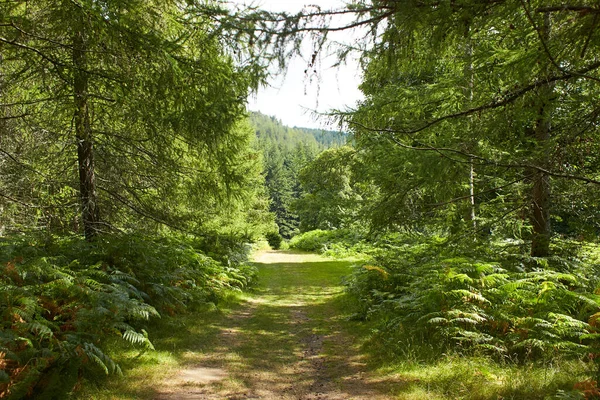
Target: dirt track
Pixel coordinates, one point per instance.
(286, 342)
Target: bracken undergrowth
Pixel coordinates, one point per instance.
(61, 298)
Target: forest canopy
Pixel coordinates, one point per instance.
(132, 178)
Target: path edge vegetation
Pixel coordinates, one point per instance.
(430, 304)
(472, 172)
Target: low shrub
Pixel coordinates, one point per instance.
(228, 249)
(60, 298)
(339, 243)
(479, 299)
(274, 239)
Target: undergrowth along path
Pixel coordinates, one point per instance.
(290, 339)
(286, 341)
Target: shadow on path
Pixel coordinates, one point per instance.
(286, 342)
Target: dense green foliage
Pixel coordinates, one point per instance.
(337, 243)
(490, 298)
(62, 298)
(332, 191)
(123, 115)
(491, 130)
(286, 151)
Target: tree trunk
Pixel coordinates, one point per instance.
(472, 194)
(83, 134)
(541, 189)
(540, 218)
(2, 122)
(469, 87)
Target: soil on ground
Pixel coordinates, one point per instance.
(287, 341)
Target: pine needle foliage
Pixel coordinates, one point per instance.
(61, 298)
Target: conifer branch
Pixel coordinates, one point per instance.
(139, 211)
(479, 194)
(566, 7)
(482, 160)
(544, 43)
(503, 100)
(17, 201)
(4, 118)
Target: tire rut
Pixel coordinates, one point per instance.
(301, 352)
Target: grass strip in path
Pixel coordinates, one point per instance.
(290, 339)
(285, 342)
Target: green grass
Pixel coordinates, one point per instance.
(480, 378)
(176, 339)
(260, 336)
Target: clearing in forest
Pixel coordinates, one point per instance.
(286, 341)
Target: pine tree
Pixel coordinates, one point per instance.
(143, 94)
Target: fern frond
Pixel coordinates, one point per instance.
(138, 338)
(437, 321)
(41, 330)
(99, 358)
(143, 311)
(468, 295)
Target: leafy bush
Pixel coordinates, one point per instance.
(274, 239)
(228, 249)
(311, 241)
(338, 243)
(60, 298)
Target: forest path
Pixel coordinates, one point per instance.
(287, 341)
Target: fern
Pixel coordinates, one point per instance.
(485, 299)
(60, 298)
(138, 338)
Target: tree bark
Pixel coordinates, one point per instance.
(2, 121)
(541, 188)
(469, 88)
(83, 134)
(472, 194)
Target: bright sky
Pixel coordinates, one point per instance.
(293, 97)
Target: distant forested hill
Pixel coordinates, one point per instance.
(271, 129)
(285, 152)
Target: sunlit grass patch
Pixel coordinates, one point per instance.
(421, 372)
(178, 341)
(480, 378)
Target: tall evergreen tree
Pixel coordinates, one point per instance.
(140, 90)
(493, 97)
(286, 151)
